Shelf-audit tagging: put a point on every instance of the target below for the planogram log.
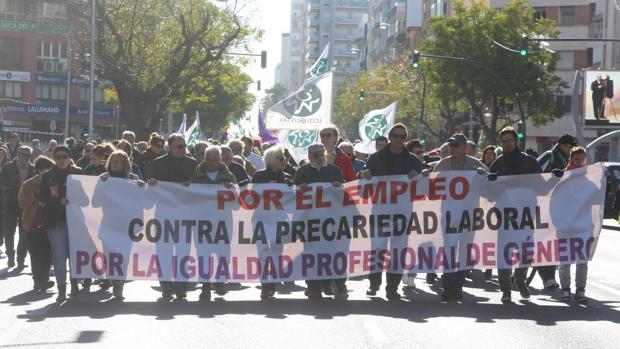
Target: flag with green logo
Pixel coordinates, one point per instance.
(298, 141)
(194, 134)
(376, 123)
(321, 66)
(309, 108)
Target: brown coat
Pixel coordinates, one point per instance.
(28, 200)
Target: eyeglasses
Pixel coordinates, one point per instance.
(400, 136)
(61, 157)
(325, 135)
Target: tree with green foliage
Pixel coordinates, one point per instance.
(160, 53)
(473, 32)
(273, 95)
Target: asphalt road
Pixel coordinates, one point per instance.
(241, 320)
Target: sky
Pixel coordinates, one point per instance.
(273, 16)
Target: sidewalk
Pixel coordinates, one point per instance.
(611, 224)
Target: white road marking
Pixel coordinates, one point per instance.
(375, 332)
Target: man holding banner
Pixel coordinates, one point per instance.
(393, 159)
(175, 167)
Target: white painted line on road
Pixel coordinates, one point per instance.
(375, 332)
(604, 287)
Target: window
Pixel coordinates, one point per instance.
(540, 12)
(85, 94)
(566, 61)
(52, 57)
(564, 102)
(49, 92)
(11, 54)
(10, 89)
(568, 15)
(11, 9)
(50, 10)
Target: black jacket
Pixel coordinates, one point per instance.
(515, 163)
(83, 162)
(92, 170)
(327, 174)
(240, 175)
(52, 189)
(386, 163)
(268, 176)
(168, 168)
(9, 182)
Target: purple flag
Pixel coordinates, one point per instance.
(265, 135)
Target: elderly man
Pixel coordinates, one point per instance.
(237, 170)
(176, 167)
(12, 176)
(213, 171)
(458, 160)
(318, 170)
(393, 159)
(348, 150)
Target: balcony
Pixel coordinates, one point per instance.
(314, 22)
(345, 37)
(352, 5)
(312, 53)
(344, 21)
(314, 6)
(344, 54)
(313, 37)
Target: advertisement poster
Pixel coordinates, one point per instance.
(602, 98)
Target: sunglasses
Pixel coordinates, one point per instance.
(61, 157)
(401, 136)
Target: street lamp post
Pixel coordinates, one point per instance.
(91, 110)
(68, 94)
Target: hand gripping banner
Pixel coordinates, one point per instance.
(271, 232)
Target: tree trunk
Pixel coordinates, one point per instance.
(139, 114)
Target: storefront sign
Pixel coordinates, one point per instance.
(10, 75)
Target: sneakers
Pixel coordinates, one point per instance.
(523, 290)
(506, 297)
(431, 278)
(565, 295)
(372, 291)
(488, 274)
(62, 294)
(551, 284)
(11, 261)
(580, 296)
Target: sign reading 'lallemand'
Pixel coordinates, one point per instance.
(272, 232)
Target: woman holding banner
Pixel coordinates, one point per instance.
(53, 195)
(273, 173)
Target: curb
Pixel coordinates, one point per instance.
(611, 227)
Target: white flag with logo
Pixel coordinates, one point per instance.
(298, 141)
(193, 134)
(321, 66)
(183, 125)
(376, 123)
(307, 109)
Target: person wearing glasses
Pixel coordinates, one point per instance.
(457, 161)
(512, 162)
(392, 159)
(154, 150)
(14, 173)
(53, 196)
(318, 170)
(177, 167)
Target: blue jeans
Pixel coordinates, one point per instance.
(59, 241)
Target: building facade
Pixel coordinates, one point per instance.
(39, 44)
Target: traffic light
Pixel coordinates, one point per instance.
(521, 130)
(523, 45)
(263, 59)
(415, 60)
(362, 96)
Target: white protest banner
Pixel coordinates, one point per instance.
(375, 123)
(272, 232)
(307, 109)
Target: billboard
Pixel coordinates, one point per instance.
(601, 96)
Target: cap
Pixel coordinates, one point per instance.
(316, 148)
(458, 138)
(567, 139)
